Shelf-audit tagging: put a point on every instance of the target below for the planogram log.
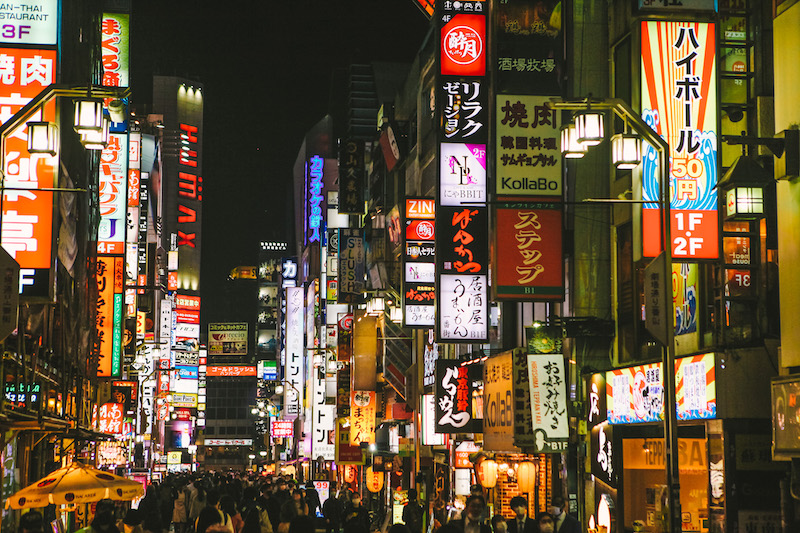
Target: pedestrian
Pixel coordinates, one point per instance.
(228, 506)
(103, 522)
(150, 511)
(197, 503)
(332, 511)
(546, 523)
(356, 516)
(288, 512)
(271, 503)
(299, 500)
(499, 524)
(313, 503)
(471, 521)
(31, 522)
(179, 507)
(209, 521)
(413, 512)
(252, 524)
(132, 523)
(521, 522)
(302, 524)
(251, 505)
(564, 522)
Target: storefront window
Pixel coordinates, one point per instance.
(645, 490)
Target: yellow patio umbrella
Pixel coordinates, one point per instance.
(75, 483)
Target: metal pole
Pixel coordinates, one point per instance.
(624, 111)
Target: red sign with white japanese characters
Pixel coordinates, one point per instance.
(282, 428)
(27, 217)
(463, 43)
(528, 261)
(110, 418)
(184, 301)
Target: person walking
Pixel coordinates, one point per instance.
(564, 522)
(472, 521)
(521, 523)
(332, 511)
(413, 512)
(356, 517)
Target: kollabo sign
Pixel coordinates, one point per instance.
(679, 101)
(528, 159)
(498, 407)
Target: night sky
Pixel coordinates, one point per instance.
(266, 67)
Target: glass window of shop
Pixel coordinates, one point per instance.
(644, 486)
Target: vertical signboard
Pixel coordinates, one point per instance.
(189, 179)
(351, 177)
(419, 278)
(293, 365)
(461, 237)
(528, 251)
(113, 195)
(114, 37)
(351, 266)
(363, 408)
(679, 101)
(453, 397)
(108, 333)
(314, 184)
(548, 386)
(27, 215)
(498, 407)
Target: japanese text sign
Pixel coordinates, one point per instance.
(463, 46)
(419, 290)
(314, 217)
(352, 266)
(463, 237)
(351, 177)
(363, 407)
(293, 365)
(27, 216)
(108, 332)
(529, 264)
(548, 385)
(453, 397)
(114, 37)
(113, 181)
(498, 408)
(110, 418)
(528, 158)
(464, 110)
(282, 428)
(636, 394)
(679, 101)
(463, 308)
(237, 371)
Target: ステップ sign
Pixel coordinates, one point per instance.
(529, 262)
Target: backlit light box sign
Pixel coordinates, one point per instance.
(636, 394)
(314, 216)
(462, 176)
(463, 308)
(237, 371)
(114, 36)
(463, 46)
(24, 22)
(282, 428)
(679, 101)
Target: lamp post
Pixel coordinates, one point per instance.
(624, 111)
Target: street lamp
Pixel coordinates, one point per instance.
(630, 117)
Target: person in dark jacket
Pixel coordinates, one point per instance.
(413, 512)
(356, 517)
(332, 511)
(564, 522)
(521, 523)
(472, 522)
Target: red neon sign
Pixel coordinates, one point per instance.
(463, 46)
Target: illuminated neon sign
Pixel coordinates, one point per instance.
(315, 197)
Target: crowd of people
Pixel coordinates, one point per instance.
(217, 503)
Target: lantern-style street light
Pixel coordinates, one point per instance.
(742, 187)
(622, 110)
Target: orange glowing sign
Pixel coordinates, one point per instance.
(236, 371)
(27, 216)
(363, 406)
(110, 418)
